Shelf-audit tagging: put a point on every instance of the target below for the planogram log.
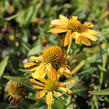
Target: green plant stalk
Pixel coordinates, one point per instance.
(102, 72)
(49, 106)
(78, 67)
(69, 46)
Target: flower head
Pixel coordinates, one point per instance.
(51, 57)
(16, 91)
(50, 86)
(75, 29)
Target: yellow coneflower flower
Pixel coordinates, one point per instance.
(50, 86)
(16, 91)
(74, 28)
(51, 57)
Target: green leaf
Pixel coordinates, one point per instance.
(3, 64)
(59, 105)
(79, 89)
(22, 80)
(35, 50)
(100, 92)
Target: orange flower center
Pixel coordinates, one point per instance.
(73, 25)
(54, 55)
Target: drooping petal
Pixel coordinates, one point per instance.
(49, 98)
(85, 40)
(29, 64)
(40, 72)
(87, 24)
(51, 73)
(41, 94)
(33, 68)
(75, 35)
(42, 80)
(58, 74)
(66, 90)
(67, 38)
(91, 37)
(37, 87)
(92, 32)
(57, 94)
(36, 82)
(77, 41)
(34, 58)
(61, 84)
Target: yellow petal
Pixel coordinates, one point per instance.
(65, 90)
(33, 68)
(67, 38)
(49, 98)
(67, 74)
(58, 30)
(62, 17)
(88, 24)
(74, 17)
(78, 40)
(90, 31)
(37, 75)
(37, 87)
(41, 94)
(34, 58)
(51, 73)
(56, 22)
(57, 94)
(29, 64)
(40, 72)
(58, 74)
(91, 37)
(85, 41)
(42, 80)
(75, 35)
(36, 82)
(65, 83)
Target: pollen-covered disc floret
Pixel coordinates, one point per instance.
(73, 25)
(15, 90)
(53, 55)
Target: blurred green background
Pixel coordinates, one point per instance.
(23, 33)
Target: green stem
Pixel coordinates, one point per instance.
(49, 106)
(103, 67)
(69, 46)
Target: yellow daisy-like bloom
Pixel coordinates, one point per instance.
(74, 28)
(51, 57)
(50, 86)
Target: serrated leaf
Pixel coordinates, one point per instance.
(3, 64)
(22, 80)
(100, 92)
